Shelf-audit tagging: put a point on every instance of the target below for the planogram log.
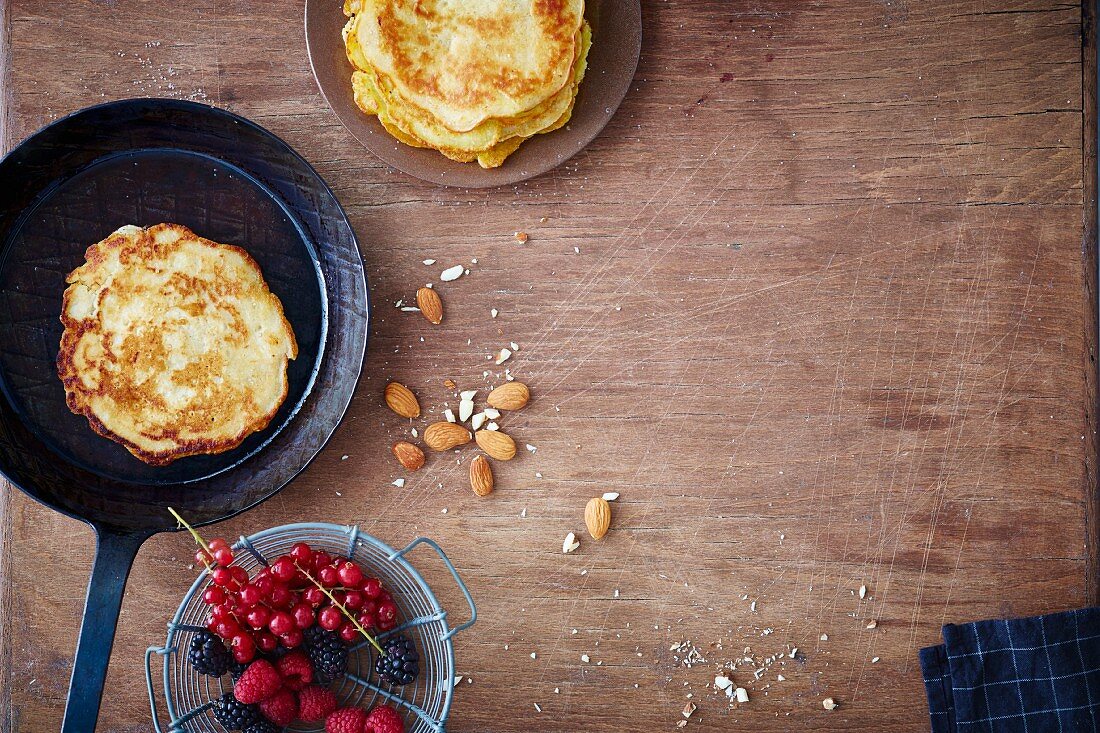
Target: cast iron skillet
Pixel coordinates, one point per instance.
(144, 161)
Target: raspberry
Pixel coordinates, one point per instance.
(234, 714)
(384, 719)
(260, 681)
(296, 670)
(281, 708)
(315, 703)
(346, 720)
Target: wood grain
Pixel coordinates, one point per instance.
(813, 303)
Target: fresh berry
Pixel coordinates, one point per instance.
(223, 577)
(372, 587)
(262, 726)
(283, 569)
(260, 681)
(302, 553)
(234, 714)
(258, 617)
(330, 618)
(217, 543)
(292, 639)
(249, 595)
(204, 558)
(314, 596)
(280, 596)
(281, 708)
(243, 647)
(208, 654)
(227, 629)
(213, 595)
(263, 583)
(281, 622)
(303, 615)
(239, 574)
(387, 615)
(265, 641)
(329, 576)
(401, 663)
(223, 556)
(315, 703)
(220, 613)
(349, 633)
(384, 719)
(346, 720)
(350, 574)
(296, 669)
(327, 653)
(366, 620)
(236, 669)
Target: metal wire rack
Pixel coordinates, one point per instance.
(189, 696)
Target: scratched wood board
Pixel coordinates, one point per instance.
(813, 304)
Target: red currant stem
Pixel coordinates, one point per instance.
(189, 528)
(343, 610)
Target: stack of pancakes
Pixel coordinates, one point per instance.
(472, 79)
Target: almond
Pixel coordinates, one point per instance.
(408, 455)
(496, 444)
(481, 476)
(430, 305)
(509, 396)
(446, 435)
(597, 515)
(401, 400)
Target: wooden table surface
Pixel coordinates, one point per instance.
(815, 303)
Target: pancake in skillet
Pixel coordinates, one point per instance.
(173, 344)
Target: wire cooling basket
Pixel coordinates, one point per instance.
(425, 703)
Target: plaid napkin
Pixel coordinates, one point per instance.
(1028, 675)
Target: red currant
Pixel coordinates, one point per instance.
(303, 615)
(283, 569)
(291, 639)
(265, 641)
(339, 596)
(223, 556)
(366, 620)
(211, 623)
(239, 574)
(258, 617)
(216, 543)
(213, 596)
(321, 559)
(330, 618)
(203, 558)
(264, 584)
(353, 599)
(220, 612)
(314, 596)
(281, 623)
(244, 649)
(349, 633)
(280, 596)
(350, 574)
(223, 577)
(387, 612)
(302, 553)
(227, 628)
(328, 576)
(249, 596)
(372, 587)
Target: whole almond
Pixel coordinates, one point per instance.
(509, 396)
(597, 515)
(401, 400)
(481, 476)
(496, 444)
(446, 435)
(408, 455)
(430, 305)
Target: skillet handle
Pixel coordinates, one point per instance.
(115, 553)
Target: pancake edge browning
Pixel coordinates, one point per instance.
(75, 392)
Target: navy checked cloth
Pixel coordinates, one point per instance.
(1023, 675)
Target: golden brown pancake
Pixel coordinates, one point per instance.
(173, 344)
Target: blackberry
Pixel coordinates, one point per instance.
(236, 669)
(208, 654)
(235, 715)
(327, 654)
(262, 726)
(401, 664)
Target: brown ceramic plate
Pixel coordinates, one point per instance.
(616, 44)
